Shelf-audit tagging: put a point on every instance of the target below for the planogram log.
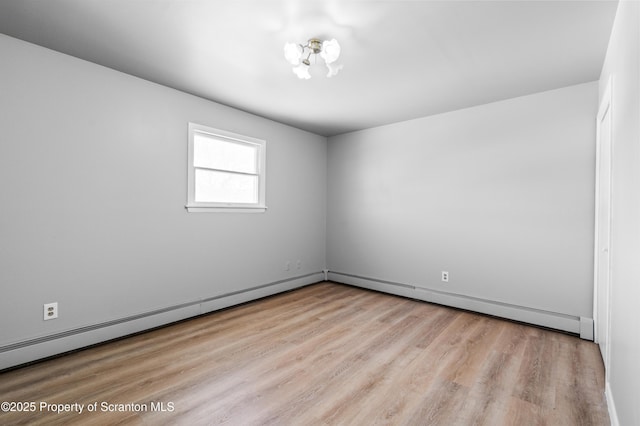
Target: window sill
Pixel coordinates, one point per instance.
(222, 209)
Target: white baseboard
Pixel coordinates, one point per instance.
(611, 406)
(34, 349)
(525, 314)
(586, 328)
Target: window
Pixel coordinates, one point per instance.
(226, 171)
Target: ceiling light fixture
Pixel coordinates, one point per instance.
(328, 50)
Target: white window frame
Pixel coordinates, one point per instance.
(194, 206)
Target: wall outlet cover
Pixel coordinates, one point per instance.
(50, 311)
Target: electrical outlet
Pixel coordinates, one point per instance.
(299, 264)
(50, 311)
(445, 276)
(287, 265)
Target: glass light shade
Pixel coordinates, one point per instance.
(293, 53)
(333, 69)
(302, 71)
(330, 51)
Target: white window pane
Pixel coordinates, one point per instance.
(221, 187)
(213, 153)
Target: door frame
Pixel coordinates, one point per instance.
(605, 107)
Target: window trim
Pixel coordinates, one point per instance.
(194, 206)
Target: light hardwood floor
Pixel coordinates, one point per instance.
(325, 354)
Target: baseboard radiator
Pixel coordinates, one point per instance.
(18, 353)
(572, 324)
(22, 352)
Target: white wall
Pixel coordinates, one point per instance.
(500, 196)
(622, 64)
(93, 187)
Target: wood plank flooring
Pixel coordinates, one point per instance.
(323, 354)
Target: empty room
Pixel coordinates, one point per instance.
(320, 212)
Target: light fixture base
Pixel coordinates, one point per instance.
(315, 45)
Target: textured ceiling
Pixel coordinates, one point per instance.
(402, 59)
